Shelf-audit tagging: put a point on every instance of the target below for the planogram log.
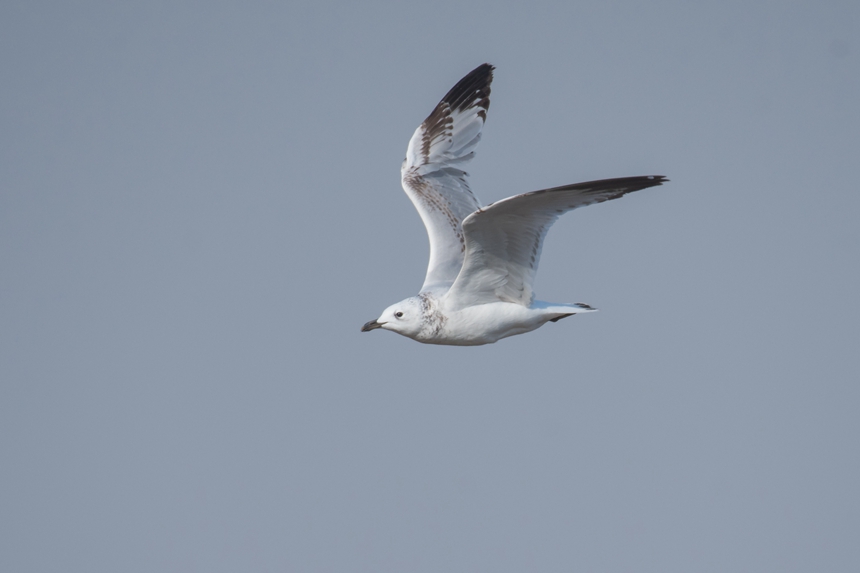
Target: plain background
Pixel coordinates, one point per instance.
(200, 206)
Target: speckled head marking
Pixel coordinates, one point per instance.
(432, 319)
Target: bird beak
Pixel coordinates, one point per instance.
(371, 325)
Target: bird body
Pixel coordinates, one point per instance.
(430, 320)
(483, 260)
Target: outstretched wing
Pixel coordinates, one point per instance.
(433, 175)
(504, 239)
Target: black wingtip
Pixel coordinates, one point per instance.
(639, 182)
(645, 181)
(622, 185)
(474, 86)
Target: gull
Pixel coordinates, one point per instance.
(483, 260)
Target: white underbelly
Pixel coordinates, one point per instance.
(486, 323)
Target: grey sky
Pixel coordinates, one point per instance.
(200, 207)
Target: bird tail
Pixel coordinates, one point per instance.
(557, 311)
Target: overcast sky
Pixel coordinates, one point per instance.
(200, 206)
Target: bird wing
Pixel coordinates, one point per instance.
(433, 177)
(504, 239)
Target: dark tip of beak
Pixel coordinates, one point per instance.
(371, 325)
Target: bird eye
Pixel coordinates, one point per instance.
(398, 314)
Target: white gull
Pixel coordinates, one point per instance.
(483, 260)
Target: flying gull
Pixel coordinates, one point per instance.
(483, 260)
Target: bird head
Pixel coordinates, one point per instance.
(404, 317)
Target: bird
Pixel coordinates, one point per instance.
(483, 260)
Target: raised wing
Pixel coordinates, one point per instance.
(504, 239)
(433, 177)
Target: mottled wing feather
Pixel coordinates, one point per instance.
(504, 239)
(433, 177)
